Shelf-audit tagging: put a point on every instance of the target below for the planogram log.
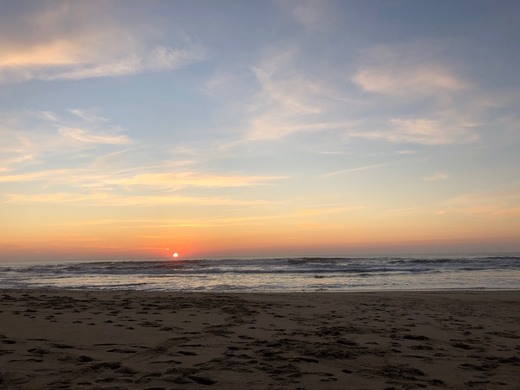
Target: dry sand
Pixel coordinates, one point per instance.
(134, 340)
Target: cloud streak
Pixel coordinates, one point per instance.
(407, 72)
(85, 177)
(114, 200)
(312, 15)
(84, 136)
(33, 138)
(161, 58)
(78, 41)
(493, 204)
(441, 130)
(419, 81)
(356, 169)
(291, 100)
(436, 176)
(192, 179)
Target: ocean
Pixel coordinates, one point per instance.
(469, 272)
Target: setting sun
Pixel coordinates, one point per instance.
(175, 254)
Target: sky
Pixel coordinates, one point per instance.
(136, 129)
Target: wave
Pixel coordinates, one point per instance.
(276, 274)
(272, 266)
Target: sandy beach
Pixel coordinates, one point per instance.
(136, 340)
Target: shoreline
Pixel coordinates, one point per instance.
(85, 339)
(259, 292)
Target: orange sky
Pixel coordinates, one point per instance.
(138, 129)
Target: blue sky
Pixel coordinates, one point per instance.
(258, 127)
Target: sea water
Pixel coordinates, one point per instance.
(469, 272)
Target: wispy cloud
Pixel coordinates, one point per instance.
(192, 179)
(326, 210)
(77, 139)
(15, 147)
(80, 40)
(159, 59)
(32, 137)
(356, 169)
(416, 76)
(292, 93)
(495, 204)
(86, 177)
(441, 130)
(8, 164)
(406, 72)
(436, 176)
(396, 81)
(107, 176)
(28, 177)
(271, 127)
(291, 100)
(310, 14)
(114, 200)
(83, 135)
(62, 197)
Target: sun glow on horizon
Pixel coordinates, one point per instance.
(175, 254)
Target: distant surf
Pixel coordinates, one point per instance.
(274, 274)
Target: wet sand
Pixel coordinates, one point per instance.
(136, 340)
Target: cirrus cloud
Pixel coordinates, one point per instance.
(79, 40)
(441, 130)
(436, 176)
(407, 71)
